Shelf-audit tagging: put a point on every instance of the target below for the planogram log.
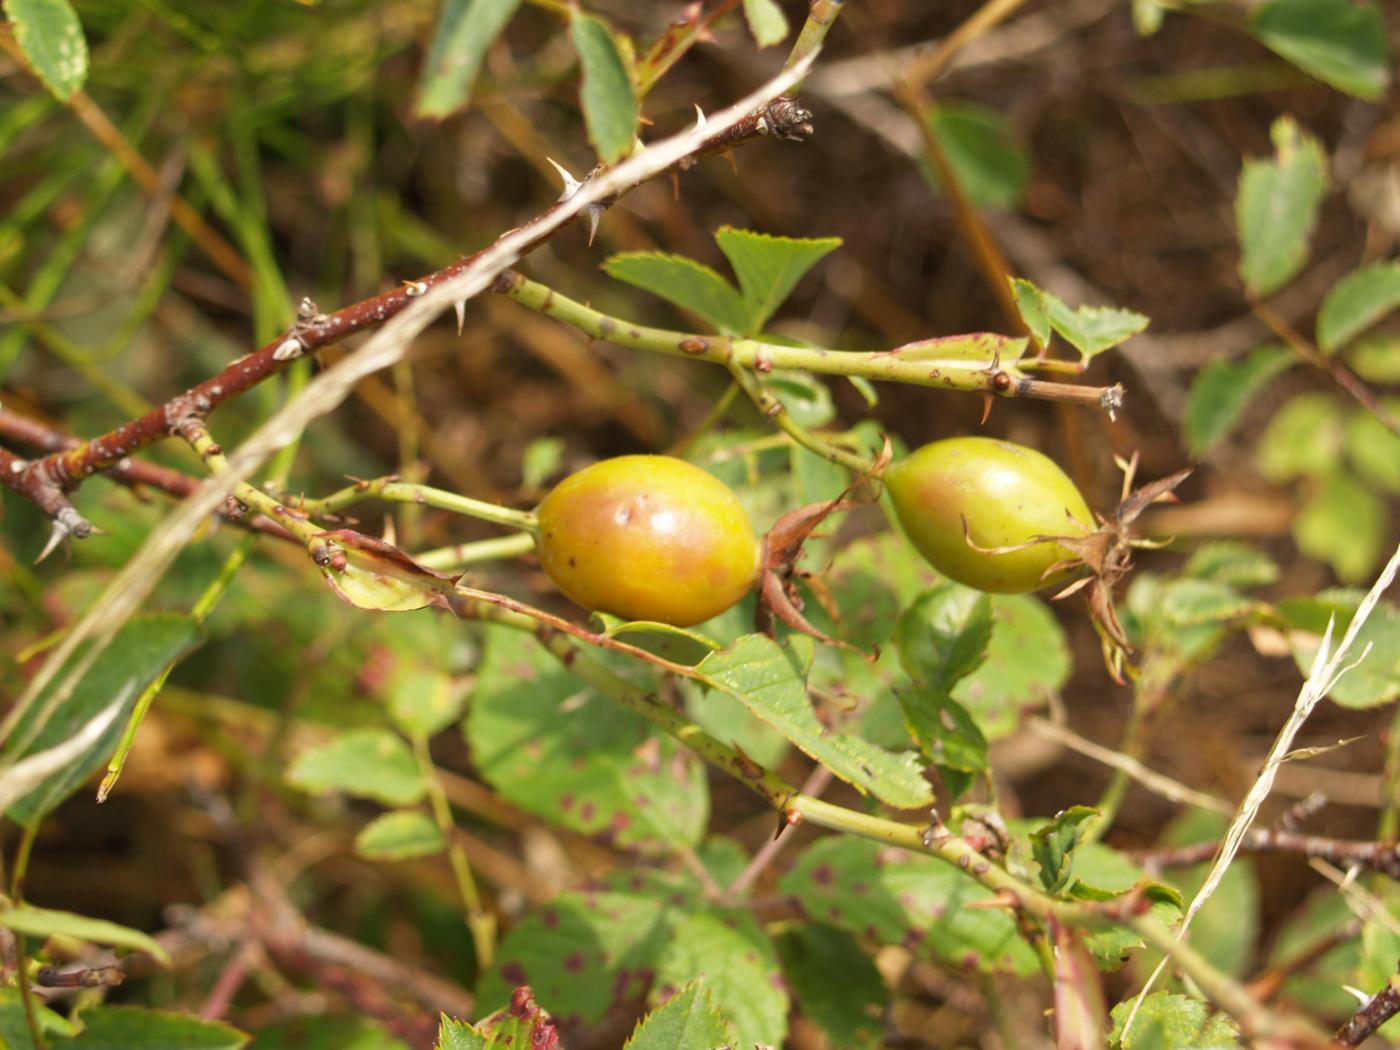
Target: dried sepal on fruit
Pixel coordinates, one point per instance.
(1107, 554)
(778, 596)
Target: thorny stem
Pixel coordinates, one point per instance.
(968, 363)
(247, 496)
(134, 473)
(395, 491)
(46, 481)
(1379, 1009)
(1382, 857)
(480, 921)
(937, 841)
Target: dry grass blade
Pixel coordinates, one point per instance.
(324, 393)
(1326, 669)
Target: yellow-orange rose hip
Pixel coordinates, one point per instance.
(648, 538)
(1007, 494)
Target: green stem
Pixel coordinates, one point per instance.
(394, 491)
(1150, 692)
(774, 410)
(712, 417)
(798, 808)
(201, 610)
(480, 922)
(26, 994)
(967, 363)
(820, 17)
(460, 554)
(255, 499)
(770, 787)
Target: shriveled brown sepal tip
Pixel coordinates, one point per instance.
(1107, 554)
(782, 548)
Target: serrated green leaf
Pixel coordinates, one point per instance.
(400, 835)
(1171, 1022)
(582, 953)
(770, 680)
(1372, 448)
(1339, 42)
(422, 703)
(465, 31)
(1276, 207)
(1030, 304)
(1232, 563)
(943, 636)
(377, 575)
(366, 763)
(835, 983)
(1053, 845)
(894, 896)
(51, 37)
(458, 1035)
(1304, 438)
(44, 923)
(769, 267)
(738, 962)
(554, 747)
(521, 1024)
(944, 731)
(140, 652)
(991, 167)
(127, 1027)
(1356, 302)
(1027, 663)
(766, 21)
(688, 284)
(1191, 603)
(686, 1021)
(1344, 524)
(1101, 874)
(1221, 390)
(609, 94)
(1375, 679)
(1092, 329)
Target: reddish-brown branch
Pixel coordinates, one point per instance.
(46, 480)
(130, 472)
(1383, 857)
(1379, 1009)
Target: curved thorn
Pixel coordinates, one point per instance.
(571, 184)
